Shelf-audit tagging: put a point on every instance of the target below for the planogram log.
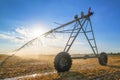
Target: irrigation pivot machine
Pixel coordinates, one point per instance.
(63, 60)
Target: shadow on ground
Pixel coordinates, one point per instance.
(110, 76)
(72, 75)
(114, 66)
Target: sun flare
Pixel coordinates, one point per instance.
(37, 30)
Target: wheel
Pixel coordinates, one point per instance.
(103, 59)
(62, 62)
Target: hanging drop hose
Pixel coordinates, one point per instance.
(4, 61)
(15, 51)
(45, 34)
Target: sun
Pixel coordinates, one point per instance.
(37, 30)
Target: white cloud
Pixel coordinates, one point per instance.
(23, 34)
(30, 32)
(11, 37)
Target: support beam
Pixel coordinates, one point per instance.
(84, 57)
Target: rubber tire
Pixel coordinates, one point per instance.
(103, 59)
(58, 58)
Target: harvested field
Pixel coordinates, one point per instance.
(43, 69)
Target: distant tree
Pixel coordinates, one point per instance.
(118, 53)
(111, 53)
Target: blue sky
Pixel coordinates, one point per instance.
(17, 16)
